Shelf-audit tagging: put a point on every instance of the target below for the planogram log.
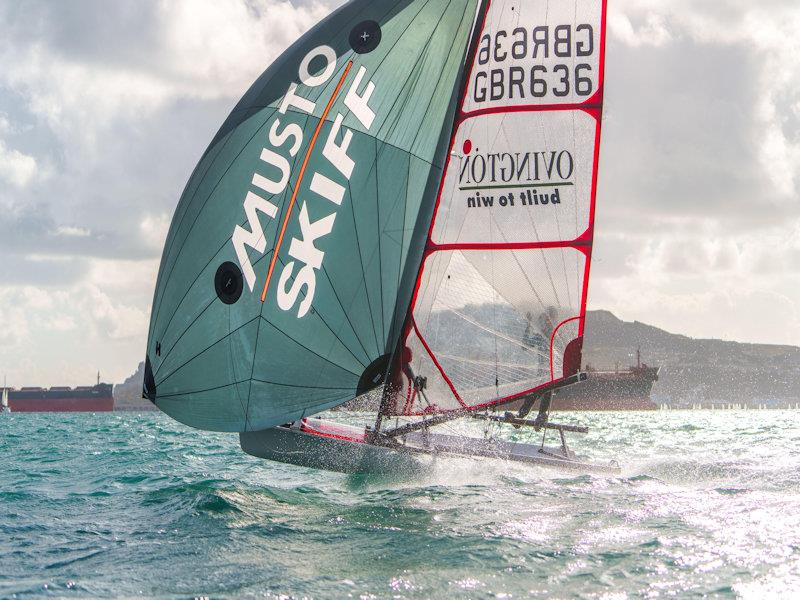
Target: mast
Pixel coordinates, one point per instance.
(386, 390)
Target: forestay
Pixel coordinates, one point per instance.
(500, 301)
(292, 255)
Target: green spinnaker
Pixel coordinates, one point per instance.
(353, 195)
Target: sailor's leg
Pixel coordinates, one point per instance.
(526, 406)
(544, 410)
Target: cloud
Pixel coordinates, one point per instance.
(706, 283)
(652, 32)
(697, 217)
(70, 231)
(16, 168)
(740, 60)
(107, 108)
(93, 65)
(61, 336)
(114, 320)
(119, 101)
(154, 229)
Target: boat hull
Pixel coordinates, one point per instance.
(329, 447)
(98, 398)
(609, 390)
(62, 405)
(332, 447)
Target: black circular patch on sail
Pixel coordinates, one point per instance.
(228, 282)
(373, 375)
(365, 37)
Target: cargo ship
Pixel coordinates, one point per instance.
(626, 389)
(89, 398)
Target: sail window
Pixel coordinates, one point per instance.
(228, 282)
(365, 37)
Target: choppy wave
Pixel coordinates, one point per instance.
(136, 505)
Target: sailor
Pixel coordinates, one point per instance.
(416, 385)
(537, 337)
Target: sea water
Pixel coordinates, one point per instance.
(708, 503)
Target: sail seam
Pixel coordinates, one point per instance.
(345, 311)
(304, 387)
(206, 349)
(223, 144)
(203, 391)
(208, 197)
(325, 323)
(306, 347)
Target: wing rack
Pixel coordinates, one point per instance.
(541, 421)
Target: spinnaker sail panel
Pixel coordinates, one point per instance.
(282, 279)
(501, 294)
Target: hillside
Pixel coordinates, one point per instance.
(128, 394)
(694, 370)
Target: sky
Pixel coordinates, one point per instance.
(106, 106)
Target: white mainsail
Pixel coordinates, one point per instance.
(505, 276)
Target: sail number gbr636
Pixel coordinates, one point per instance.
(531, 64)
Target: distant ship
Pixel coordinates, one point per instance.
(627, 389)
(94, 398)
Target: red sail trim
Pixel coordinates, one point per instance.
(578, 244)
(593, 199)
(332, 431)
(585, 291)
(436, 362)
(515, 108)
(491, 403)
(496, 401)
(553, 339)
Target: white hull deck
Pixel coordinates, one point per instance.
(324, 445)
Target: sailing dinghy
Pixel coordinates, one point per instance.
(401, 205)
